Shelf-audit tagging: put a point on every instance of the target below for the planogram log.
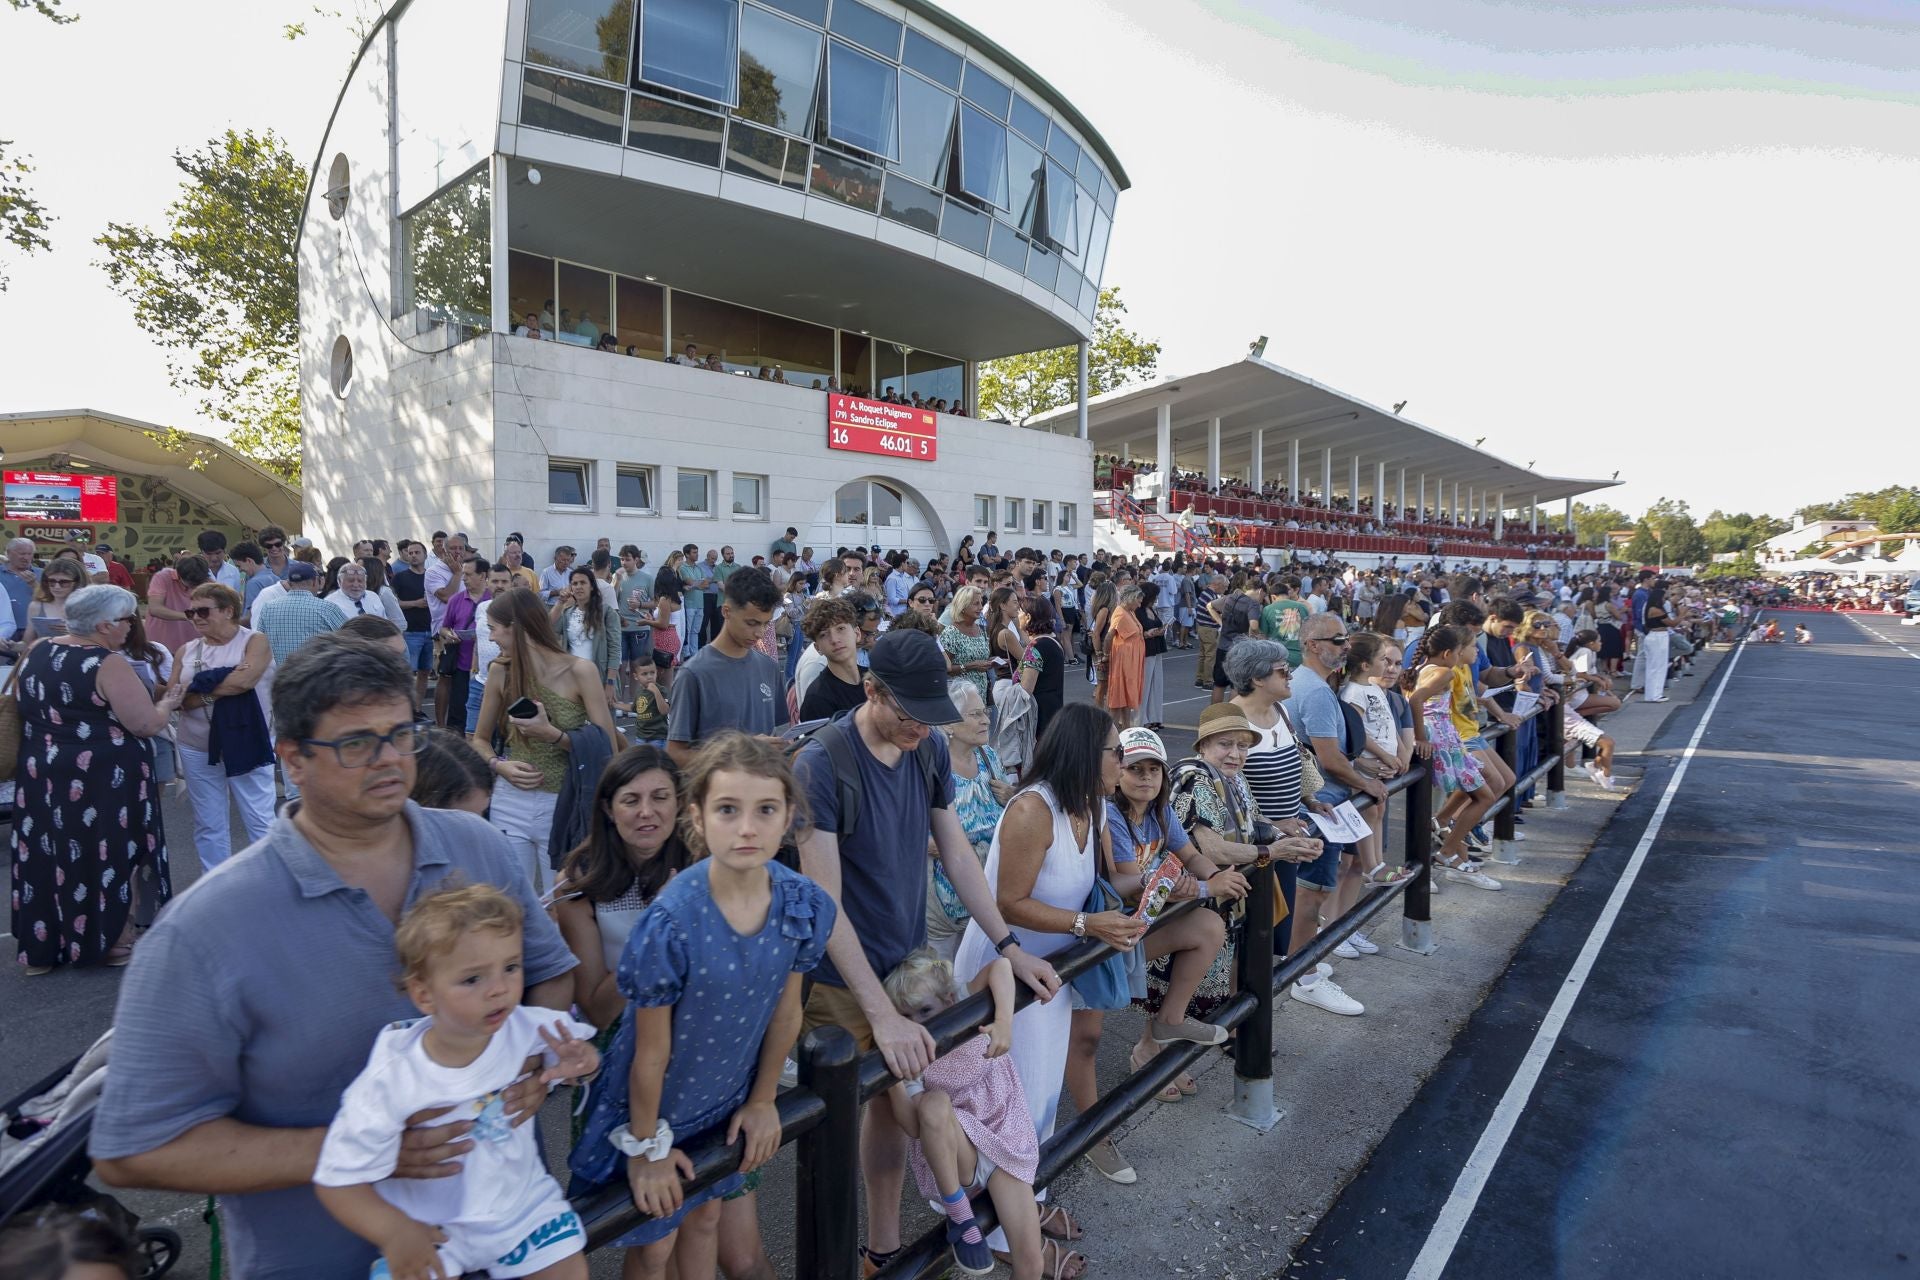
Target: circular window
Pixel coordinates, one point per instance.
(339, 184)
(340, 367)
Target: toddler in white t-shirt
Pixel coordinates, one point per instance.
(503, 1214)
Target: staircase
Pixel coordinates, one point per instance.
(1121, 525)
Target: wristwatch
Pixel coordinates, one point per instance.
(1080, 924)
(657, 1150)
(1000, 947)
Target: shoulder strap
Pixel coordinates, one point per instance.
(846, 772)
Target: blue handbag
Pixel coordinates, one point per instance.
(1121, 978)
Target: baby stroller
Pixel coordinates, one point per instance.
(44, 1162)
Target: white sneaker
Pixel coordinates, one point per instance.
(789, 1074)
(1601, 779)
(1463, 875)
(1326, 994)
(1347, 951)
(1661, 698)
(1363, 944)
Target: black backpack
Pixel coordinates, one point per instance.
(833, 735)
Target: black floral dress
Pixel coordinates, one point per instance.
(86, 812)
(1204, 797)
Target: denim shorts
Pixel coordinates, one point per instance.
(636, 646)
(419, 650)
(1323, 872)
(1477, 742)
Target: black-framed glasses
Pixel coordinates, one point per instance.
(60, 582)
(358, 750)
(201, 612)
(1119, 753)
(273, 546)
(1285, 673)
(1339, 640)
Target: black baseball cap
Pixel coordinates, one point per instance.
(914, 671)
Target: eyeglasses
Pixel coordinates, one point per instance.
(1339, 640)
(60, 582)
(358, 750)
(200, 612)
(1285, 673)
(274, 546)
(129, 618)
(1119, 753)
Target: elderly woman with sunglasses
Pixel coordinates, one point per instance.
(223, 660)
(86, 784)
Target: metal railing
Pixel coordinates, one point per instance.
(822, 1114)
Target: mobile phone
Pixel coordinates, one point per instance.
(524, 709)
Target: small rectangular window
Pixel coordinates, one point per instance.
(566, 105)
(911, 204)
(861, 96)
(966, 227)
(982, 88)
(1042, 513)
(1029, 119)
(570, 485)
(1063, 148)
(691, 46)
(591, 37)
(1016, 511)
(1008, 249)
(1066, 519)
(931, 59)
(696, 493)
(839, 178)
(669, 129)
(982, 511)
(814, 11)
(633, 489)
(749, 496)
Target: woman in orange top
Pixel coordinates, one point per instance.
(1126, 658)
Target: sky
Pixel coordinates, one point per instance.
(1669, 239)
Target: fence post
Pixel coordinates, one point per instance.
(827, 1200)
(1557, 747)
(1507, 747)
(1416, 925)
(1253, 1039)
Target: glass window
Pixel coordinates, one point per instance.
(1089, 298)
(856, 363)
(1042, 516)
(1024, 167)
(1083, 209)
(936, 377)
(757, 153)
(860, 97)
(887, 506)
(747, 340)
(932, 59)
(890, 366)
(848, 181)
(568, 484)
(1063, 148)
(926, 131)
(966, 227)
(566, 105)
(1088, 169)
(1009, 248)
(814, 11)
(748, 492)
(779, 71)
(690, 45)
(449, 253)
(982, 511)
(1097, 245)
(983, 157)
(585, 295)
(633, 488)
(1066, 519)
(670, 129)
(911, 204)
(799, 164)
(798, 352)
(1062, 193)
(1015, 509)
(1029, 120)
(1107, 194)
(1042, 265)
(850, 503)
(866, 26)
(981, 87)
(696, 491)
(1068, 285)
(591, 37)
(639, 317)
(529, 288)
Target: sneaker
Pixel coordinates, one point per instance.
(1662, 698)
(974, 1258)
(1466, 875)
(1326, 994)
(1112, 1165)
(1518, 834)
(1477, 842)
(1601, 779)
(789, 1074)
(1347, 951)
(1363, 944)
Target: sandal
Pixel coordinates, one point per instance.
(1048, 1215)
(119, 957)
(1173, 1092)
(1058, 1268)
(1386, 875)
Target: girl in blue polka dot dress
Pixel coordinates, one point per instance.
(712, 970)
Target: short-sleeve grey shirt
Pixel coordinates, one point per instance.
(258, 993)
(714, 692)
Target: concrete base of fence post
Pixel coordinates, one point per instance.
(1504, 853)
(1556, 802)
(1417, 936)
(1253, 1105)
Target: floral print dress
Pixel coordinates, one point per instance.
(86, 813)
(1454, 768)
(1205, 797)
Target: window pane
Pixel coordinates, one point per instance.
(982, 88)
(800, 352)
(982, 512)
(1068, 285)
(756, 152)
(584, 295)
(936, 377)
(890, 366)
(926, 131)
(856, 363)
(1014, 509)
(746, 495)
(1029, 120)
(1024, 167)
(1008, 248)
(911, 204)
(1041, 515)
(639, 318)
(848, 181)
(983, 157)
(673, 130)
(449, 253)
(932, 59)
(634, 489)
(779, 71)
(860, 93)
(814, 11)
(693, 491)
(1062, 192)
(1066, 518)
(592, 37)
(866, 26)
(1063, 148)
(1042, 265)
(1083, 209)
(1088, 169)
(566, 484)
(1089, 297)
(850, 503)
(530, 288)
(565, 105)
(799, 163)
(689, 45)
(966, 227)
(1097, 246)
(1107, 195)
(886, 505)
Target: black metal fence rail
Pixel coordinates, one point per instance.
(822, 1113)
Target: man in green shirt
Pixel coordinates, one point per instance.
(1283, 619)
(787, 543)
(724, 570)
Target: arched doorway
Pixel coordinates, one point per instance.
(876, 511)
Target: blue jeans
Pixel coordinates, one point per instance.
(419, 650)
(475, 692)
(1323, 873)
(690, 638)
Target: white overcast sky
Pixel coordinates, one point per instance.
(1672, 239)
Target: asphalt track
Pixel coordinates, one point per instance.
(1735, 1090)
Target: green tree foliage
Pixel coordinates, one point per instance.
(449, 252)
(23, 219)
(1894, 509)
(216, 287)
(1679, 538)
(1020, 388)
(1645, 545)
(46, 9)
(1739, 532)
(1591, 524)
(1744, 566)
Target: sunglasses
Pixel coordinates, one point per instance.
(199, 613)
(273, 546)
(60, 582)
(1339, 640)
(1119, 754)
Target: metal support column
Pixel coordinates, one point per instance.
(1163, 435)
(1353, 483)
(1380, 491)
(1293, 469)
(1081, 389)
(1259, 477)
(827, 1173)
(1416, 928)
(1400, 495)
(1533, 515)
(1326, 475)
(1499, 516)
(1213, 453)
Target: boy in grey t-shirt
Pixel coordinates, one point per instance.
(730, 684)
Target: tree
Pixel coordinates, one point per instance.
(449, 252)
(1591, 525)
(218, 289)
(1742, 566)
(45, 8)
(1739, 532)
(1894, 509)
(23, 219)
(1645, 546)
(1022, 387)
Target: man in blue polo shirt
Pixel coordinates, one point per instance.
(255, 998)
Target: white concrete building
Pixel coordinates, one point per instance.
(1789, 545)
(868, 195)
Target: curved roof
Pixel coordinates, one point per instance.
(213, 475)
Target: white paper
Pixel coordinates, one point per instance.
(1524, 702)
(1343, 826)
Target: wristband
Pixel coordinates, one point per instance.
(1000, 947)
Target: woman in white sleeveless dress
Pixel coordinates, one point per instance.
(1041, 867)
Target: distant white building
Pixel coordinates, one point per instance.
(1789, 545)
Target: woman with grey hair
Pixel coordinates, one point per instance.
(87, 811)
(981, 790)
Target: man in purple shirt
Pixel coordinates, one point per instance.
(456, 634)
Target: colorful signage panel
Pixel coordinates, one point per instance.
(890, 430)
(60, 495)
